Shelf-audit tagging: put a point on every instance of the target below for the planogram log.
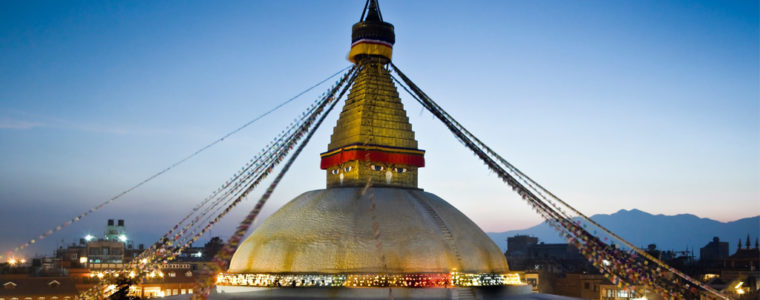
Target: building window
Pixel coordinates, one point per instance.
(184, 291)
(41, 298)
(586, 285)
(532, 281)
(54, 298)
(176, 291)
(172, 274)
(188, 274)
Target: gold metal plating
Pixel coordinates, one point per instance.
(373, 115)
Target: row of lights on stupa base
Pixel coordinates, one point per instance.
(421, 280)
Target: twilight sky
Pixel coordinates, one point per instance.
(610, 104)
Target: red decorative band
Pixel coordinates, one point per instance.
(340, 157)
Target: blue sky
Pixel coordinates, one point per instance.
(611, 105)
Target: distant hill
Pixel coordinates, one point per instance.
(678, 232)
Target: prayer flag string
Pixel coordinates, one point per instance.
(170, 167)
(628, 271)
(148, 263)
(221, 260)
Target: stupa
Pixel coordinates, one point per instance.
(351, 241)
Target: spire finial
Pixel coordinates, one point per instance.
(373, 12)
(371, 36)
(747, 245)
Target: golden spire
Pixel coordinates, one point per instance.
(373, 139)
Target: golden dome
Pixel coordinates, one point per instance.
(330, 232)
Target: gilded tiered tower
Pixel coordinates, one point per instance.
(373, 140)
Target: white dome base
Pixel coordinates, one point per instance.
(331, 231)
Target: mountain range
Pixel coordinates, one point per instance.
(677, 232)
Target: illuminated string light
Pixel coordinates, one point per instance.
(419, 280)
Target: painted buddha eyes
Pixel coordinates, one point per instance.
(345, 170)
(380, 168)
(373, 167)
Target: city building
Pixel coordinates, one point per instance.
(740, 272)
(24, 287)
(79, 266)
(714, 250)
(519, 246)
(115, 232)
(526, 253)
(560, 270)
(745, 258)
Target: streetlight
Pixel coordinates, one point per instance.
(88, 237)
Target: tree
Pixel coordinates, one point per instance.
(122, 290)
(212, 247)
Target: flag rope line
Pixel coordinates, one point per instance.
(145, 266)
(170, 167)
(221, 259)
(263, 115)
(555, 219)
(251, 170)
(557, 216)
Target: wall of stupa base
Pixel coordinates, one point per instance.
(509, 292)
(355, 173)
(417, 280)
